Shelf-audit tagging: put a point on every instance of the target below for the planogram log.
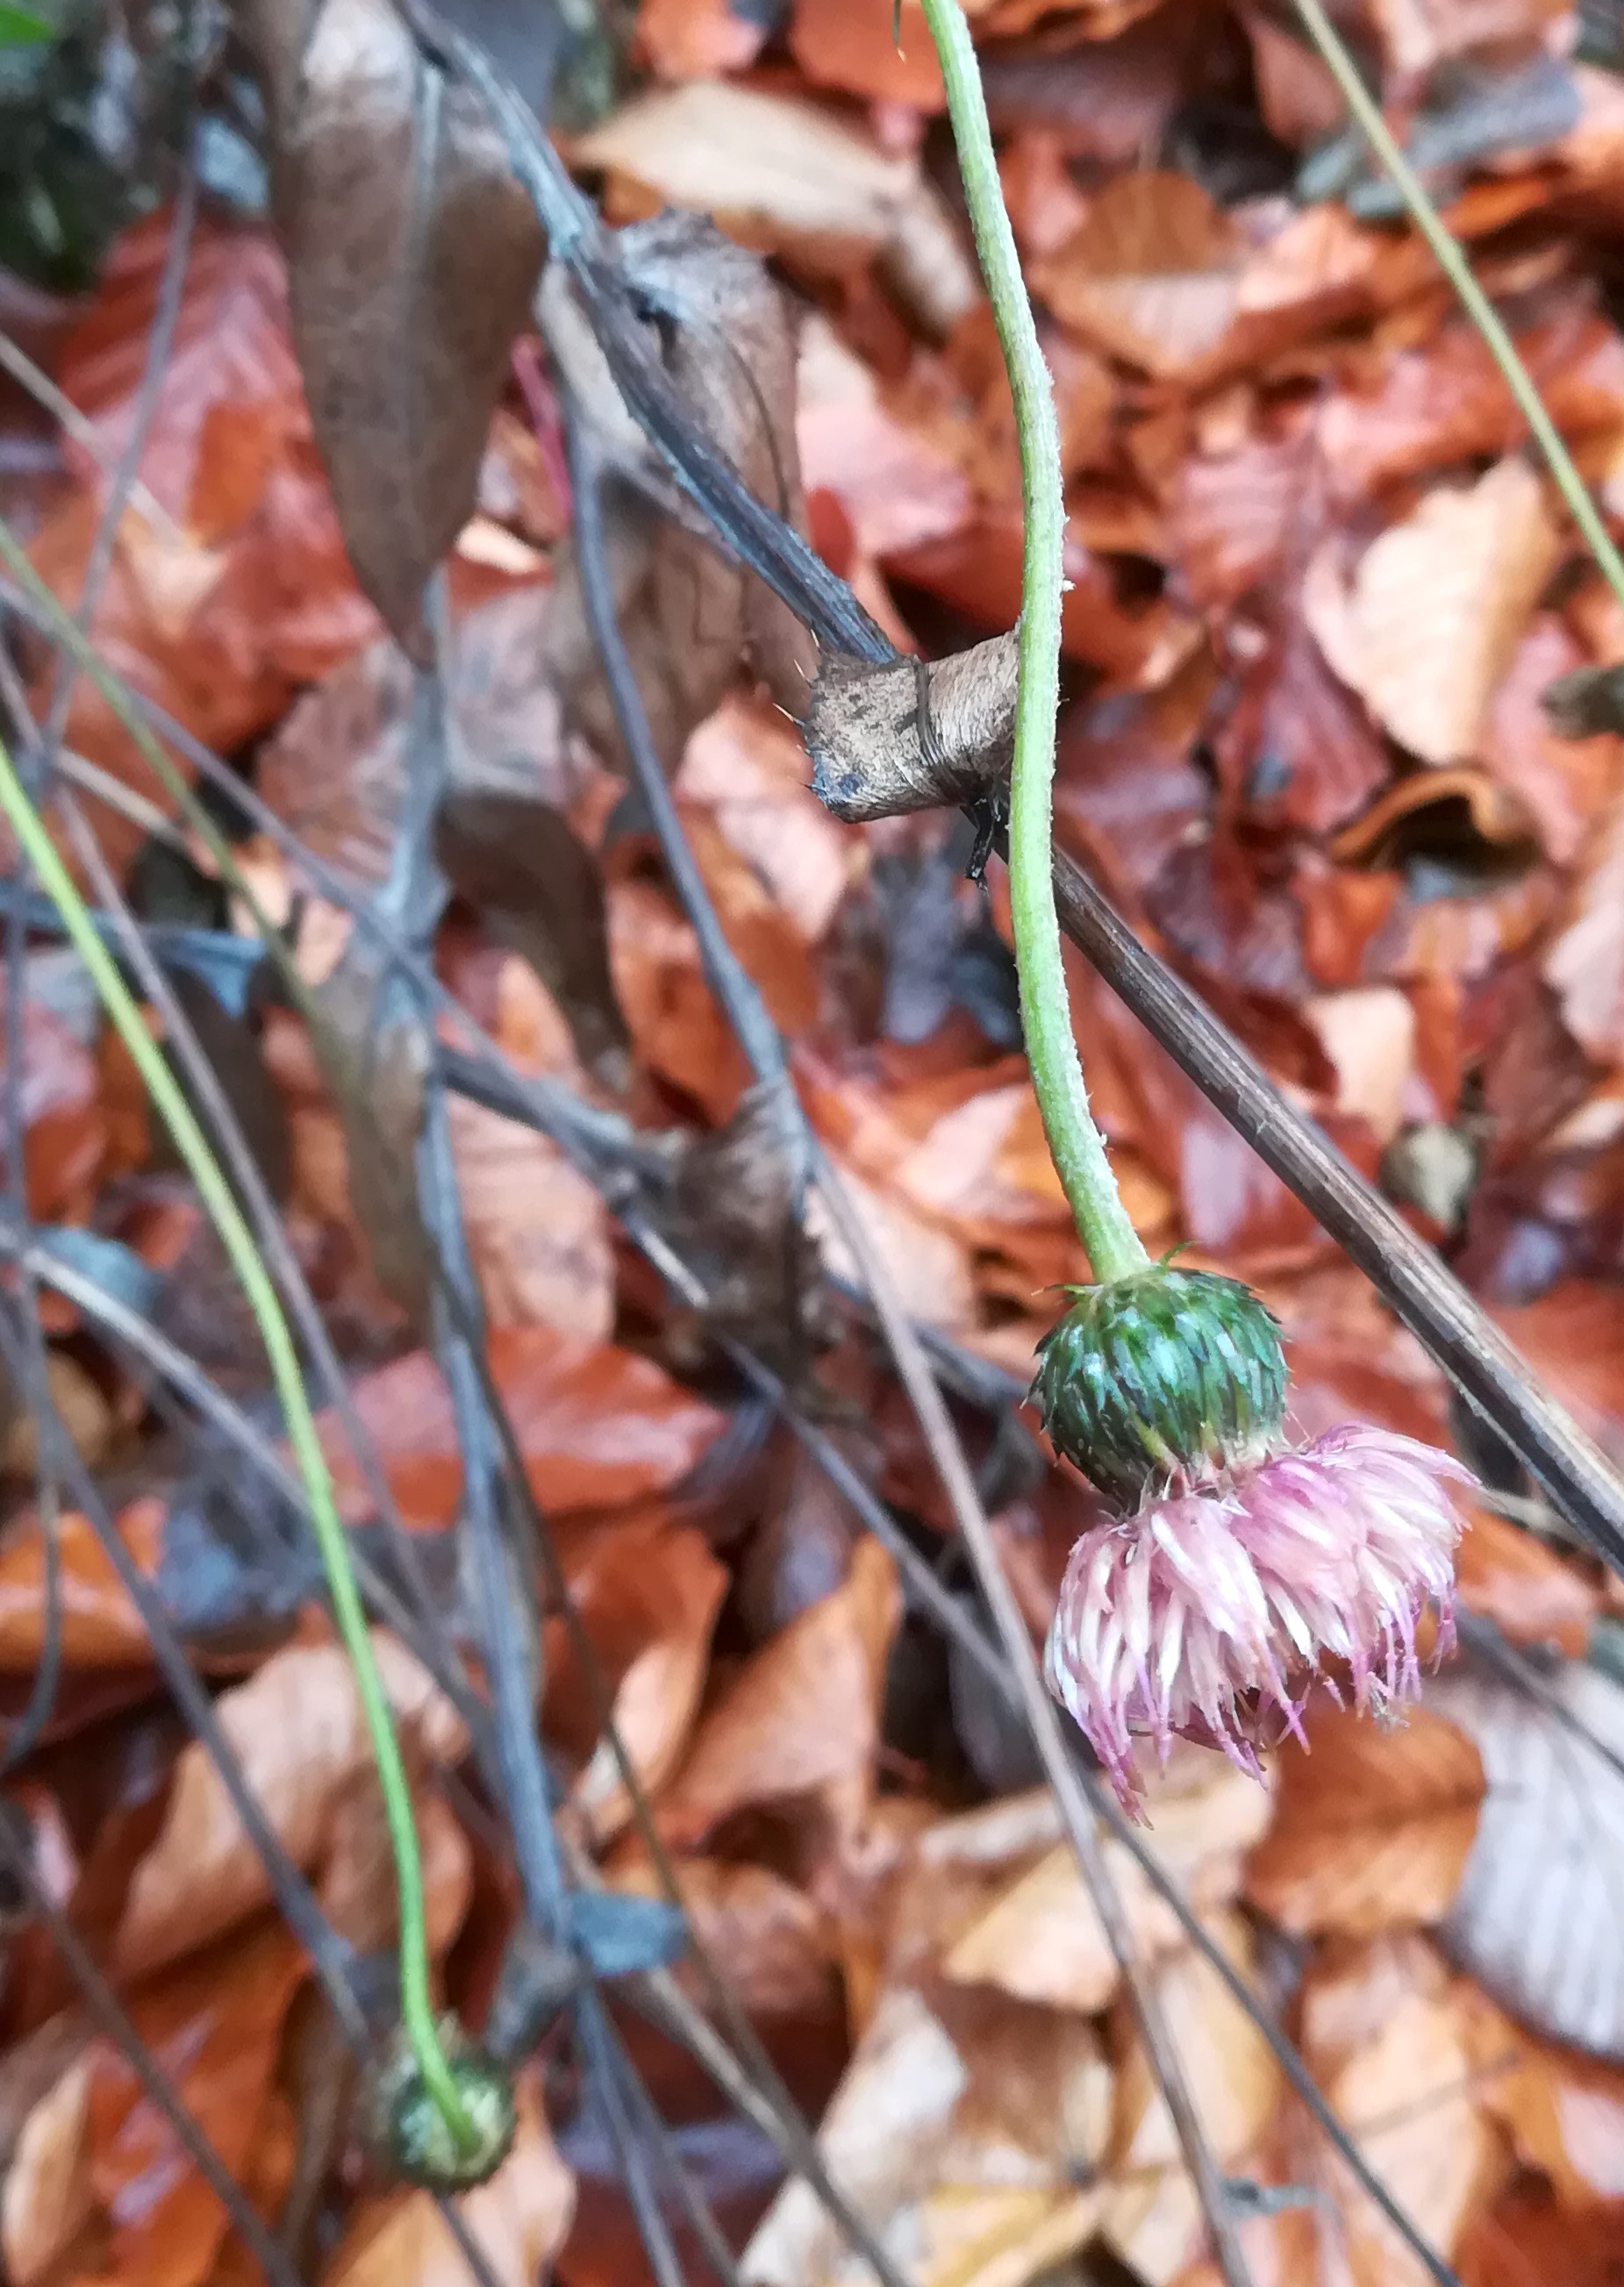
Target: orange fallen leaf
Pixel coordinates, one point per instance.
(861, 47)
(296, 1729)
(1436, 606)
(1374, 1825)
(44, 2122)
(100, 1626)
(1533, 1595)
(801, 1716)
(214, 2022)
(596, 1426)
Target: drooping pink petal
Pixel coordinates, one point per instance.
(1209, 1614)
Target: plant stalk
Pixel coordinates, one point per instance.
(1451, 258)
(417, 2009)
(1074, 1142)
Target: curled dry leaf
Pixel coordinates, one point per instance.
(596, 1426)
(801, 1717)
(1374, 1825)
(1437, 607)
(1536, 1918)
(884, 740)
(787, 176)
(386, 177)
(519, 2221)
(296, 1731)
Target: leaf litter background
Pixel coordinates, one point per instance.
(1319, 591)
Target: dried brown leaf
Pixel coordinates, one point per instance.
(1564, 2113)
(1389, 2039)
(297, 1732)
(594, 1426)
(1436, 606)
(1584, 963)
(1374, 1825)
(801, 1717)
(1153, 274)
(783, 174)
(1152, 2215)
(44, 2122)
(412, 256)
(776, 1944)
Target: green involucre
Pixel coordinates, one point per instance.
(1163, 1377)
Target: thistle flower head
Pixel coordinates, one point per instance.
(1210, 1612)
(1164, 1379)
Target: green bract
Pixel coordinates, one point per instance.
(414, 2137)
(1165, 1376)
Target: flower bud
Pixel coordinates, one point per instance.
(414, 2138)
(1161, 1380)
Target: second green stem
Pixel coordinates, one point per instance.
(1074, 1142)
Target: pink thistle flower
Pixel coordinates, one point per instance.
(1209, 1614)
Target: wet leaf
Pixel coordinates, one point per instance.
(596, 1426)
(1373, 1826)
(386, 177)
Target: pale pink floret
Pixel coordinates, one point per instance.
(1208, 1615)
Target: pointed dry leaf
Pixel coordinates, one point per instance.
(412, 255)
(296, 1729)
(1153, 274)
(1373, 1825)
(1538, 1918)
(801, 1716)
(1437, 607)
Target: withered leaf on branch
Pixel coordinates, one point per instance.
(412, 255)
(727, 335)
(733, 1206)
(887, 740)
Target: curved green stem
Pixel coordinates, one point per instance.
(1074, 1143)
(1451, 258)
(417, 2009)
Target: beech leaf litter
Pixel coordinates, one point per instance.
(1342, 737)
